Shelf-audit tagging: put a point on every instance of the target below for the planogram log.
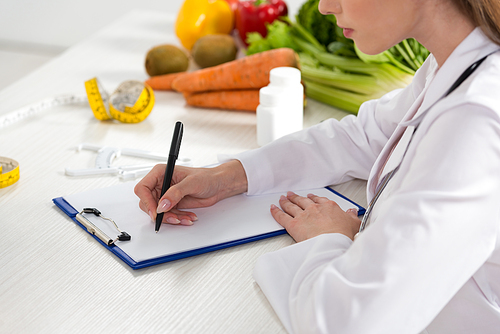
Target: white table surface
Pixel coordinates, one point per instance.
(54, 278)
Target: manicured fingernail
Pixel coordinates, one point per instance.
(151, 215)
(273, 207)
(186, 222)
(289, 193)
(194, 218)
(163, 206)
(173, 221)
(283, 198)
(353, 210)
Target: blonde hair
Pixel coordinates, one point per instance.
(484, 14)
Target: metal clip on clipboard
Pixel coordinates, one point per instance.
(91, 228)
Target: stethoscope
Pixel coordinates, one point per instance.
(388, 177)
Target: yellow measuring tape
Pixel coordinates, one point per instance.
(9, 172)
(132, 101)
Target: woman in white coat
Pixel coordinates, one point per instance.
(428, 258)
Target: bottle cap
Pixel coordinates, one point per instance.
(270, 96)
(284, 76)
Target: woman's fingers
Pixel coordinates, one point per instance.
(317, 199)
(184, 217)
(144, 207)
(177, 217)
(302, 202)
(174, 216)
(281, 217)
(294, 204)
(307, 217)
(182, 185)
(353, 212)
(289, 207)
(146, 190)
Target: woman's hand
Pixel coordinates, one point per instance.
(190, 188)
(307, 217)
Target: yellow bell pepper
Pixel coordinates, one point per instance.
(198, 18)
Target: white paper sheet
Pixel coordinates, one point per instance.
(231, 219)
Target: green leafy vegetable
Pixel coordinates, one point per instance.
(278, 36)
(334, 71)
(322, 27)
(408, 55)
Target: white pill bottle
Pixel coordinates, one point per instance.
(281, 105)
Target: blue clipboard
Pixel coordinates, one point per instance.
(69, 210)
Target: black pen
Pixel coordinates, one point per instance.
(169, 170)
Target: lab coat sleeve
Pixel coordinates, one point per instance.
(431, 235)
(328, 153)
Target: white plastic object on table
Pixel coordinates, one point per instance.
(106, 155)
(281, 105)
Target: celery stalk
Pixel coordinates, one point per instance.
(346, 82)
(345, 63)
(335, 97)
(363, 84)
(303, 33)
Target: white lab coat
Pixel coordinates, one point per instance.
(430, 258)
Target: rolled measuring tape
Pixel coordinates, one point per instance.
(131, 102)
(9, 172)
(35, 108)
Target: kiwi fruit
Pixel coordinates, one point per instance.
(165, 59)
(212, 50)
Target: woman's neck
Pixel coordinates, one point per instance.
(443, 30)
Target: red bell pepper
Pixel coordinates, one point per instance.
(252, 16)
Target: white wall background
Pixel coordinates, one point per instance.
(34, 31)
(62, 23)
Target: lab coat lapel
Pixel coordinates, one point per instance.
(474, 47)
(394, 150)
(388, 160)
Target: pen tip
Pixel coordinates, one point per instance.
(156, 231)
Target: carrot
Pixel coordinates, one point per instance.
(250, 72)
(240, 99)
(163, 82)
